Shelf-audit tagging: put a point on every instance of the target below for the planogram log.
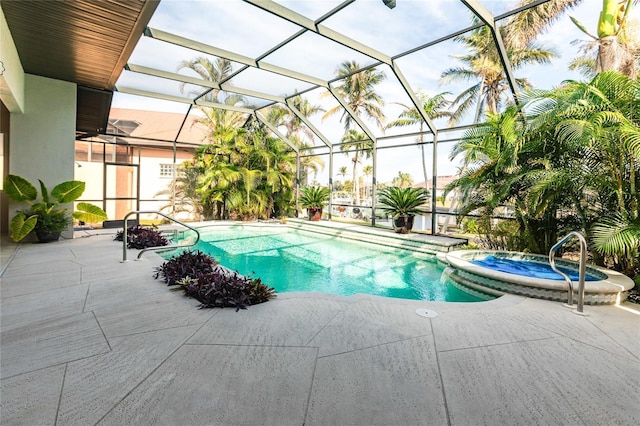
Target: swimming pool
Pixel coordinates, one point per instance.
(291, 260)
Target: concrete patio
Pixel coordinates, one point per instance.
(88, 340)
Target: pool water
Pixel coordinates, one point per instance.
(528, 268)
(292, 261)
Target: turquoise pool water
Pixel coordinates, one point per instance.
(293, 261)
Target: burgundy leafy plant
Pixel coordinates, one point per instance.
(140, 237)
(214, 286)
(223, 288)
(187, 264)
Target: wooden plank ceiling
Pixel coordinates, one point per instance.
(86, 42)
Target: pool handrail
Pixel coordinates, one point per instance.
(136, 212)
(582, 271)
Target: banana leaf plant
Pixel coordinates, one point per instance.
(47, 216)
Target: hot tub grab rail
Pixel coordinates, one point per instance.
(582, 272)
(136, 212)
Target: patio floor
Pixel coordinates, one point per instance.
(88, 340)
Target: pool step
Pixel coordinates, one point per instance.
(422, 243)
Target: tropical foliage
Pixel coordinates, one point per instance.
(403, 204)
(568, 160)
(47, 215)
(183, 192)
(314, 197)
(240, 172)
(248, 175)
(298, 133)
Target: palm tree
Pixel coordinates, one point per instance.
(586, 180)
(342, 171)
(615, 45)
(358, 90)
(434, 107)
(482, 65)
(281, 116)
(216, 71)
(597, 123)
(308, 163)
(182, 192)
(612, 43)
(403, 180)
(359, 143)
(296, 132)
(368, 171)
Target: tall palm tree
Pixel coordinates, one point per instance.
(615, 47)
(482, 66)
(342, 171)
(281, 116)
(359, 143)
(368, 171)
(309, 164)
(434, 107)
(403, 180)
(183, 192)
(215, 71)
(612, 43)
(297, 132)
(358, 90)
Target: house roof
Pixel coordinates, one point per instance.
(441, 182)
(159, 126)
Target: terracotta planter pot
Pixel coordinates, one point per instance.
(315, 214)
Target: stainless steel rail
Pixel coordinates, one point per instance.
(125, 237)
(583, 267)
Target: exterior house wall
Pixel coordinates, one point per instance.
(123, 183)
(151, 182)
(42, 137)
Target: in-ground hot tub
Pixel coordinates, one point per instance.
(500, 272)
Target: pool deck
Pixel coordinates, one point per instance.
(88, 340)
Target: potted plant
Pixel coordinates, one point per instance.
(47, 217)
(402, 204)
(313, 198)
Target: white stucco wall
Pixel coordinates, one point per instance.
(43, 136)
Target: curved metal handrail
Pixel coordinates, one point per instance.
(582, 272)
(125, 237)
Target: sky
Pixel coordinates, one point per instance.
(242, 28)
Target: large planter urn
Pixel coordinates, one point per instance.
(45, 236)
(315, 213)
(403, 224)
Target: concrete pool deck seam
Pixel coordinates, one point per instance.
(440, 374)
(160, 364)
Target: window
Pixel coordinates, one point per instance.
(166, 170)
